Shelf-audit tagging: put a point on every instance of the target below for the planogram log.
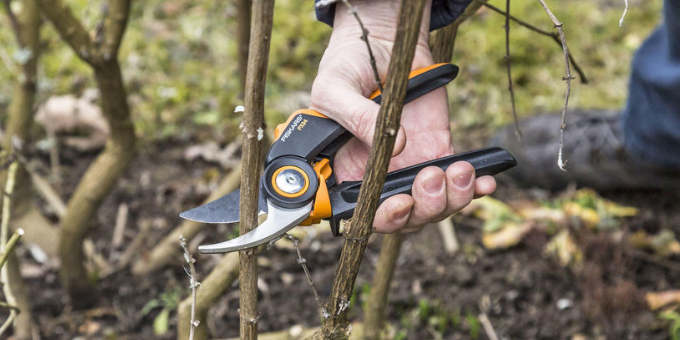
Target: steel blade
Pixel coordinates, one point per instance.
(278, 222)
(222, 210)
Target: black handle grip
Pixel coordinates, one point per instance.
(433, 78)
(488, 161)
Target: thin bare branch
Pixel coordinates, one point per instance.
(193, 284)
(561, 162)
(303, 263)
(364, 37)
(4, 245)
(10, 245)
(554, 36)
(623, 15)
(508, 65)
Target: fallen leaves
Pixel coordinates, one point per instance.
(657, 300)
(505, 226)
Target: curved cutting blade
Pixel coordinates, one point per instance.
(278, 222)
(222, 210)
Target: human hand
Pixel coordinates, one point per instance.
(344, 81)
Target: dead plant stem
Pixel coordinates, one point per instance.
(561, 162)
(508, 65)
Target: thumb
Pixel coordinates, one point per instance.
(353, 111)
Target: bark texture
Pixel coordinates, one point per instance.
(101, 52)
(359, 227)
(253, 145)
(243, 33)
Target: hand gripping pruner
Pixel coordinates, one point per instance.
(298, 186)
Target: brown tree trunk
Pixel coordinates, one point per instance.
(243, 10)
(97, 182)
(253, 143)
(360, 226)
(102, 54)
(26, 26)
(382, 279)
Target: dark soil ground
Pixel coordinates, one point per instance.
(433, 295)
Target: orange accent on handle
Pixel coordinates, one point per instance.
(285, 194)
(413, 73)
(282, 127)
(322, 201)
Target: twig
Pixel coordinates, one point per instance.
(44, 189)
(119, 228)
(623, 15)
(508, 64)
(101, 265)
(561, 163)
(193, 284)
(4, 245)
(488, 327)
(8, 306)
(9, 246)
(555, 37)
(303, 263)
(364, 37)
(133, 249)
(448, 233)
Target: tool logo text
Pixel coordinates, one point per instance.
(292, 126)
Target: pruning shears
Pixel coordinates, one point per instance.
(298, 186)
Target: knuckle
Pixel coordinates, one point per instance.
(361, 124)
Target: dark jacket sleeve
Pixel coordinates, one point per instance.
(444, 12)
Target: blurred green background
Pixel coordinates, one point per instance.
(179, 61)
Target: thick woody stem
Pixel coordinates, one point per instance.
(360, 227)
(103, 173)
(384, 271)
(252, 148)
(26, 26)
(115, 23)
(69, 27)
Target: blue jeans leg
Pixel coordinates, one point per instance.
(651, 120)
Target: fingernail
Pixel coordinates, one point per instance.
(463, 180)
(400, 214)
(433, 184)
